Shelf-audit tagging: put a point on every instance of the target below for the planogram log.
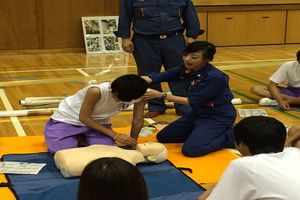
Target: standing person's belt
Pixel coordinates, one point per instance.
(160, 37)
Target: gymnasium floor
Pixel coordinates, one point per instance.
(26, 74)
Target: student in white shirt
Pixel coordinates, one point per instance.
(283, 96)
(267, 170)
(86, 114)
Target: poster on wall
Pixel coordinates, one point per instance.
(99, 34)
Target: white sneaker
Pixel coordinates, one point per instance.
(236, 101)
(267, 102)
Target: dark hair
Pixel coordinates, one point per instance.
(261, 134)
(298, 55)
(208, 50)
(129, 87)
(111, 179)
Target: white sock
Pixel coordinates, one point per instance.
(267, 102)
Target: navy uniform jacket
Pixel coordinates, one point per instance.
(156, 17)
(207, 89)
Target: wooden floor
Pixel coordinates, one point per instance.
(62, 74)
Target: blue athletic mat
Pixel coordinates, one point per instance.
(164, 181)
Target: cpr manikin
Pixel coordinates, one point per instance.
(71, 162)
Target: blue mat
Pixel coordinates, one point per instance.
(164, 181)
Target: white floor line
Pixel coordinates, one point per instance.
(15, 121)
(83, 72)
(63, 69)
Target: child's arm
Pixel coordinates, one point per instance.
(293, 137)
(137, 119)
(92, 96)
(275, 93)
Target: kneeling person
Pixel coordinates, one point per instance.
(208, 126)
(87, 113)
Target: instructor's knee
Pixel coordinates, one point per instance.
(161, 137)
(194, 151)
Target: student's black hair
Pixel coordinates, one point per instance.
(298, 55)
(208, 50)
(111, 179)
(261, 134)
(129, 87)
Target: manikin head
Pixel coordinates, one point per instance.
(153, 151)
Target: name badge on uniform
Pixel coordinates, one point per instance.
(194, 82)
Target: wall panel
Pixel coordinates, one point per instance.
(293, 26)
(62, 21)
(48, 24)
(18, 22)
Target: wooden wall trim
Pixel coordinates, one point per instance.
(233, 8)
(243, 2)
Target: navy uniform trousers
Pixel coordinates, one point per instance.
(202, 134)
(151, 53)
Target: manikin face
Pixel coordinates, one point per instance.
(194, 61)
(150, 148)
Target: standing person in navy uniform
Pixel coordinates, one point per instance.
(158, 26)
(208, 127)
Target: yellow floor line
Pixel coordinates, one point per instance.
(15, 121)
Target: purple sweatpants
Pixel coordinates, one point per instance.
(60, 135)
(291, 91)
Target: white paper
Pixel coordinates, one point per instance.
(21, 167)
(252, 112)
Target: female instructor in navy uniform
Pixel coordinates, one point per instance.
(208, 127)
(158, 26)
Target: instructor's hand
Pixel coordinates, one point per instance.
(147, 79)
(152, 94)
(189, 40)
(127, 45)
(125, 139)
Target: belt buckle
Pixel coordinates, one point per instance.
(162, 37)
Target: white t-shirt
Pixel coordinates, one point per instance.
(69, 109)
(271, 176)
(290, 72)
